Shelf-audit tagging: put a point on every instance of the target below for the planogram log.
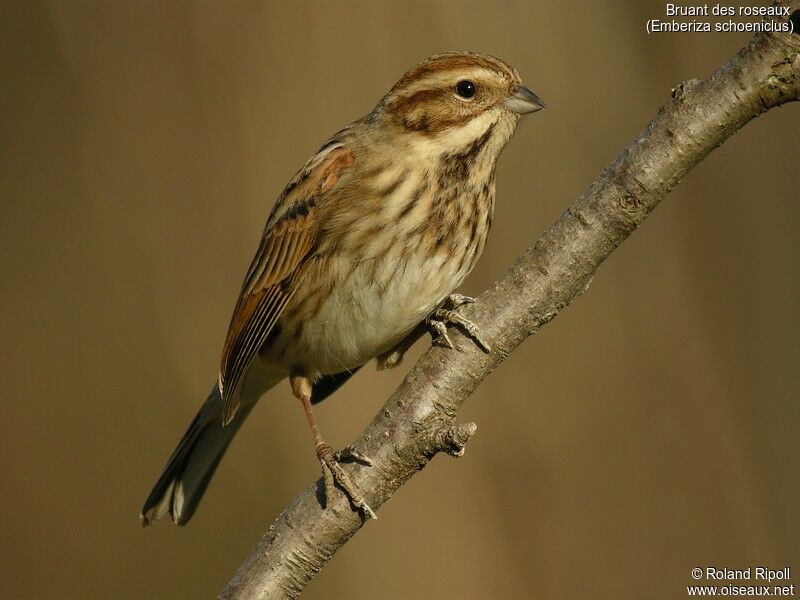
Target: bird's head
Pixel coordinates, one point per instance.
(454, 98)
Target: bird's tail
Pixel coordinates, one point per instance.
(179, 489)
(186, 475)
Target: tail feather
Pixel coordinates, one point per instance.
(186, 475)
(181, 485)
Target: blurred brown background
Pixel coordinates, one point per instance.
(651, 428)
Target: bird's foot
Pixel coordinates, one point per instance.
(389, 360)
(446, 314)
(350, 454)
(453, 301)
(334, 475)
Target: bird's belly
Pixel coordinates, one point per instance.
(373, 305)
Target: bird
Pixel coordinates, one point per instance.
(360, 255)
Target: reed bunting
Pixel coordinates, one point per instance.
(363, 248)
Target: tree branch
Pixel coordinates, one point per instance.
(417, 422)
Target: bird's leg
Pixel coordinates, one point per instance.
(392, 358)
(447, 314)
(332, 471)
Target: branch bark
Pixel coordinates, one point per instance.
(418, 421)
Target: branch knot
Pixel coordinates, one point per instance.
(452, 440)
(684, 87)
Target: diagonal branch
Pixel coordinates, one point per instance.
(418, 421)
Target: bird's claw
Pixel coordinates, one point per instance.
(350, 454)
(334, 475)
(390, 359)
(442, 316)
(439, 333)
(456, 300)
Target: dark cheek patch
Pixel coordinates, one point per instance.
(428, 111)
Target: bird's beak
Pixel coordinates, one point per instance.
(522, 101)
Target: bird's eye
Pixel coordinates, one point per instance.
(466, 89)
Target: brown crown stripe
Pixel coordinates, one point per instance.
(453, 62)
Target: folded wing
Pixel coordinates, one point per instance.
(289, 238)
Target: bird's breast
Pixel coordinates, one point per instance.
(386, 272)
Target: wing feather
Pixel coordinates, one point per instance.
(288, 239)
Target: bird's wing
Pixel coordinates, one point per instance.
(288, 238)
